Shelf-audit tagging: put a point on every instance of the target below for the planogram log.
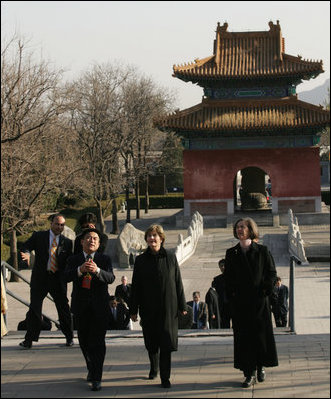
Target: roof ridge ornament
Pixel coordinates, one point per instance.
(273, 27)
(217, 42)
(222, 28)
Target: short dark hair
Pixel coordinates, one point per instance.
(221, 262)
(55, 215)
(90, 230)
(88, 217)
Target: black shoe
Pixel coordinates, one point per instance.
(249, 381)
(26, 344)
(96, 386)
(89, 377)
(261, 374)
(165, 384)
(70, 342)
(152, 376)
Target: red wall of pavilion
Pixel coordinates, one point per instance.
(294, 172)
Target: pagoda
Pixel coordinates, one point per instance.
(250, 121)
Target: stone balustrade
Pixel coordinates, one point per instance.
(295, 241)
(186, 247)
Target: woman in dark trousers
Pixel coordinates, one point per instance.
(157, 293)
(249, 279)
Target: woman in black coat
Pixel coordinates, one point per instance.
(157, 293)
(249, 278)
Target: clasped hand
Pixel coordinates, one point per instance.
(89, 267)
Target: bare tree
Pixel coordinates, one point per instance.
(31, 103)
(96, 119)
(143, 101)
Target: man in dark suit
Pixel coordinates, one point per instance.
(119, 315)
(91, 272)
(223, 302)
(123, 290)
(51, 252)
(213, 309)
(279, 303)
(200, 312)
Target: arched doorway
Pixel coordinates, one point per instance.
(252, 190)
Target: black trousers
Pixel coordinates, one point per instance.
(162, 360)
(40, 286)
(91, 331)
(280, 319)
(225, 316)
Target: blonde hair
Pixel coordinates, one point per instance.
(159, 230)
(252, 227)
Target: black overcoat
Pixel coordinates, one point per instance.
(157, 293)
(249, 281)
(213, 308)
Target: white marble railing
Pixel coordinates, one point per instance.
(186, 247)
(295, 241)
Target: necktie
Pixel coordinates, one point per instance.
(53, 261)
(86, 282)
(195, 313)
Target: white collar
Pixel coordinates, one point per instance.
(92, 254)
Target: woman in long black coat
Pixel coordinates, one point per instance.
(157, 293)
(249, 277)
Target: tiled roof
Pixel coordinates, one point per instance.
(246, 115)
(248, 54)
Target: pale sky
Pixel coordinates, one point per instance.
(155, 35)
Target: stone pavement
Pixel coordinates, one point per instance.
(203, 365)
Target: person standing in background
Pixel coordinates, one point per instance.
(123, 291)
(279, 303)
(223, 302)
(213, 308)
(200, 312)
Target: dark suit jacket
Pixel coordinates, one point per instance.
(202, 313)
(213, 308)
(95, 298)
(39, 242)
(125, 295)
(279, 300)
(122, 318)
(219, 285)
